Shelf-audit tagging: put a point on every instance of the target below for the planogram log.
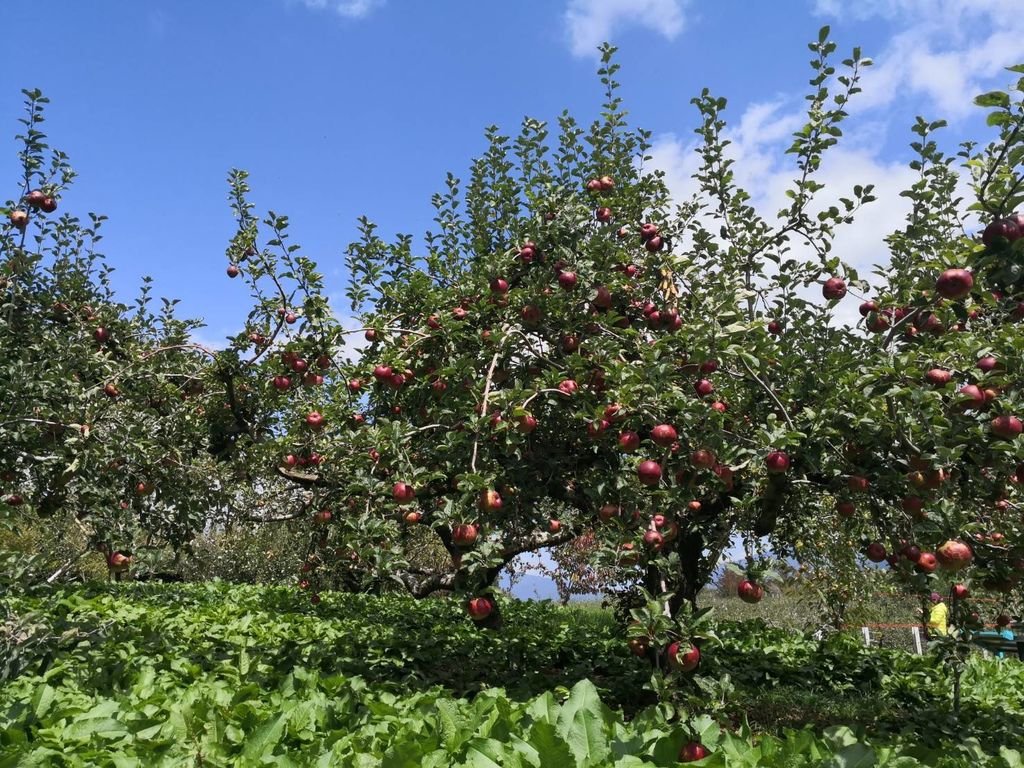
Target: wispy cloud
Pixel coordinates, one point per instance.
(350, 9)
(592, 22)
(946, 51)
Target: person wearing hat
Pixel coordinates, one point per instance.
(938, 617)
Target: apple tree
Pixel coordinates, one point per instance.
(574, 345)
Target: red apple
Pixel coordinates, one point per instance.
(110, 390)
(370, 335)
(568, 387)
(692, 752)
(464, 534)
(846, 508)
(607, 512)
(683, 657)
(703, 387)
(960, 591)
(777, 462)
(403, 493)
(653, 540)
(750, 592)
(1007, 229)
(775, 328)
(413, 516)
(954, 284)
(606, 183)
(567, 280)
(354, 385)
(602, 297)
(988, 364)
(973, 397)
(233, 271)
(101, 335)
(655, 244)
(875, 552)
(867, 308)
(649, 472)
(554, 526)
(490, 501)
(480, 608)
(603, 214)
(382, 373)
(834, 289)
(459, 313)
(664, 435)
(527, 423)
(35, 198)
(938, 377)
(647, 231)
(857, 484)
(314, 420)
(954, 555)
(703, 458)
(926, 562)
(1007, 427)
(709, 366)
(629, 441)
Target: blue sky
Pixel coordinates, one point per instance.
(346, 107)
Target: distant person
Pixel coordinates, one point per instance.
(938, 617)
(1004, 631)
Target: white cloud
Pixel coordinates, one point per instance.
(947, 51)
(350, 9)
(758, 143)
(592, 22)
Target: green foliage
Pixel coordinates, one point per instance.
(238, 675)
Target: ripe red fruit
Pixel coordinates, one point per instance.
(703, 387)
(867, 308)
(608, 512)
(412, 517)
(233, 271)
(775, 328)
(527, 423)
(35, 198)
(480, 608)
(629, 441)
(354, 385)
(290, 318)
(459, 313)
(719, 406)
(926, 563)
(110, 390)
(846, 509)
(878, 322)
(464, 534)
(857, 484)
(834, 289)
(954, 284)
(649, 472)
(499, 285)
(490, 501)
(594, 185)
(692, 752)
(954, 555)
(655, 244)
(683, 658)
(960, 591)
(403, 493)
(777, 462)
(703, 458)
(291, 460)
(987, 364)
(322, 516)
(1007, 427)
(568, 387)
(638, 645)
(647, 231)
(913, 504)
(1007, 228)
(396, 380)
(49, 205)
(603, 214)
(938, 377)
(370, 335)
(299, 365)
(567, 280)
(530, 314)
(314, 420)
(602, 298)
(19, 219)
(664, 435)
(554, 526)
(875, 552)
(709, 366)
(606, 183)
(750, 592)
(974, 397)
(102, 335)
(653, 540)
(382, 372)
(14, 500)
